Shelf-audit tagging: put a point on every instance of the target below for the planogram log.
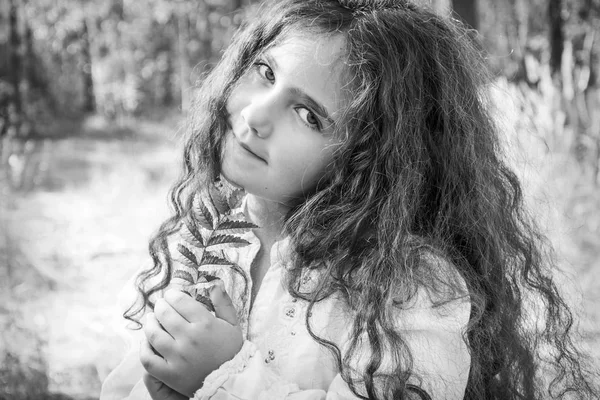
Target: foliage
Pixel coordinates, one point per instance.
(142, 54)
(206, 232)
(149, 54)
(68, 243)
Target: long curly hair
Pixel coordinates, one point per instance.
(420, 172)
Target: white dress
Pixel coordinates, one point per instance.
(280, 360)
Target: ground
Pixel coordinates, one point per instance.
(78, 228)
(71, 243)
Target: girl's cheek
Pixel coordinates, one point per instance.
(239, 97)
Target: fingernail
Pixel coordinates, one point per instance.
(218, 284)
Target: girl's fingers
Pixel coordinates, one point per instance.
(159, 391)
(153, 363)
(158, 338)
(171, 320)
(224, 308)
(188, 308)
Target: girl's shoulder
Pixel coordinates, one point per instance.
(437, 288)
(442, 276)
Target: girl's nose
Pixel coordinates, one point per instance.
(259, 115)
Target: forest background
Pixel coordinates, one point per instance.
(92, 97)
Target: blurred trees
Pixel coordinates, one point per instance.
(122, 57)
(125, 57)
(118, 57)
(467, 10)
(549, 49)
(556, 36)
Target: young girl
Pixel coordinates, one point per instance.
(379, 249)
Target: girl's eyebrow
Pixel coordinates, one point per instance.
(296, 91)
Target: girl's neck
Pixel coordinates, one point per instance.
(268, 215)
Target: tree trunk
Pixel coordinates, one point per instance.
(15, 66)
(517, 30)
(167, 54)
(89, 101)
(29, 62)
(184, 68)
(206, 37)
(467, 11)
(167, 74)
(521, 15)
(557, 35)
(34, 72)
(237, 4)
(4, 72)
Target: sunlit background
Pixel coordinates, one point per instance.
(92, 97)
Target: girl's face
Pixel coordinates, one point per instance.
(282, 113)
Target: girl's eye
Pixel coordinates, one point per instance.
(309, 118)
(265, 71)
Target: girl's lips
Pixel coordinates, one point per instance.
(245, 147)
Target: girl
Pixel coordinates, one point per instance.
(380, 248)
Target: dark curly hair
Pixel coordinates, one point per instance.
(420, 172)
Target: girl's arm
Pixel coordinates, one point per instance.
(124, 382)
(433, 333)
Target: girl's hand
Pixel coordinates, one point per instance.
(185, 342)
(159, 391)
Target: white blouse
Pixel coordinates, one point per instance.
(280, 360)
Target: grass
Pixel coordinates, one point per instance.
(78, 229)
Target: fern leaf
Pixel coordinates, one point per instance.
(187, 254)
(186, 276)
(210, 258)
(185, 261)
(202, 214)
(218, 200)
(226, 239)
(206, 301)
(192, 235)
(207, 278)
(239, 226)
(230, 193)
(187, 292)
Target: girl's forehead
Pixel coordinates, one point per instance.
(325, 49)
(314, 63)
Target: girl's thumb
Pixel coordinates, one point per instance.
(224, 308)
